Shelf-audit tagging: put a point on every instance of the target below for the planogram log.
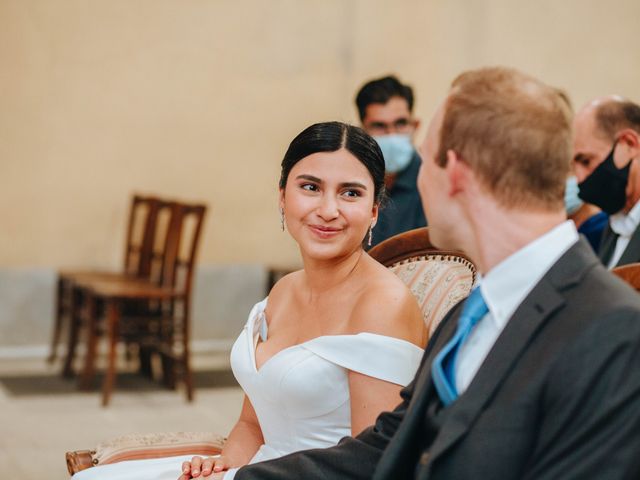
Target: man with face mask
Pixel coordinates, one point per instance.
(385, 107)
(606, 154)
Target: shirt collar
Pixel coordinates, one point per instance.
(624, 224)
(507, 284)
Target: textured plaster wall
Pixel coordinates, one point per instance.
(198, 99)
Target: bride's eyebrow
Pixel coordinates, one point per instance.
(353, 185)
(311, 178)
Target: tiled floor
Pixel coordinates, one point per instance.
(37, 429)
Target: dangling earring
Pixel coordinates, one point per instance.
(370, 235)
(282, 218)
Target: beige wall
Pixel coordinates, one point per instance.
(199, 99)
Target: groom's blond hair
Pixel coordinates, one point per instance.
(514, 132)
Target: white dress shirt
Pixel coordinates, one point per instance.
(624, 224)
(504, 288)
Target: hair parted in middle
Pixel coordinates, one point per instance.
(331, 137)
(514, 131)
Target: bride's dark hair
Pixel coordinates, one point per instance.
(330, 137)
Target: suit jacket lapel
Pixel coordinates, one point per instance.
(535, 310)
(393, 459)
(607, 245)
(423, 381)
(631, 254)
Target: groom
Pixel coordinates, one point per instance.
(537, 374)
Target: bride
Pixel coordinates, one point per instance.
(334, 343)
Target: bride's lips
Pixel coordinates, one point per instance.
(323, 231)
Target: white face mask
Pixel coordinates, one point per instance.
(571, 200)
(397, 150)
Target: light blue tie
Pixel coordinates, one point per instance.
(443, 367)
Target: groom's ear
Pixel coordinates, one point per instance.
(458, 172)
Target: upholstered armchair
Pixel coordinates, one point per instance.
(144, 446)
(438, 278)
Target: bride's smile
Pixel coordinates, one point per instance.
(325, 232)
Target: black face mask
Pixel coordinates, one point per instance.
(606, 186)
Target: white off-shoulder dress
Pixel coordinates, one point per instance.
(300, 394)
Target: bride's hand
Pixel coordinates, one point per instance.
(204, 466)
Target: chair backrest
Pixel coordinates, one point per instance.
(182, 239)
(177, 227)
(439, 279)
(141, 229)
(159, 239)
(629, 273)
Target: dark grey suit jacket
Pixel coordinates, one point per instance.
(631, 254)
(558, 397)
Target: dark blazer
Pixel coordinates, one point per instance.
(631, 254)
(558, 397)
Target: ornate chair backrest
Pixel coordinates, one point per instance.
(178, 263)
(176, 233)
(439, 279)
(141, 229)
(182, 239)
(161, 238)
(629, 273)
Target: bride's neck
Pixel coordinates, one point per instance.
(324, 276)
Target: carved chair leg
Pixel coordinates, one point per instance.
(92, 342)
(113, 318)
(168, 370)
(74, 330)
(146, 363)
(165, 345)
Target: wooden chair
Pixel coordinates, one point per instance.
(163, 326)
(438, 278)
(629, 273)
(87, 309)
(139, 241)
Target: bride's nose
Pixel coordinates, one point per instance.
(328, 208)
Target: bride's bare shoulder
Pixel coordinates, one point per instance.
(386, 306)
(284, 287)
(286, 282)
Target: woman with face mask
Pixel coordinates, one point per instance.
(334, 343)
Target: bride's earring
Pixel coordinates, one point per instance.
(370, 235)
(282, 218)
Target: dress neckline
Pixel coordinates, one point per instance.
(253, 343)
